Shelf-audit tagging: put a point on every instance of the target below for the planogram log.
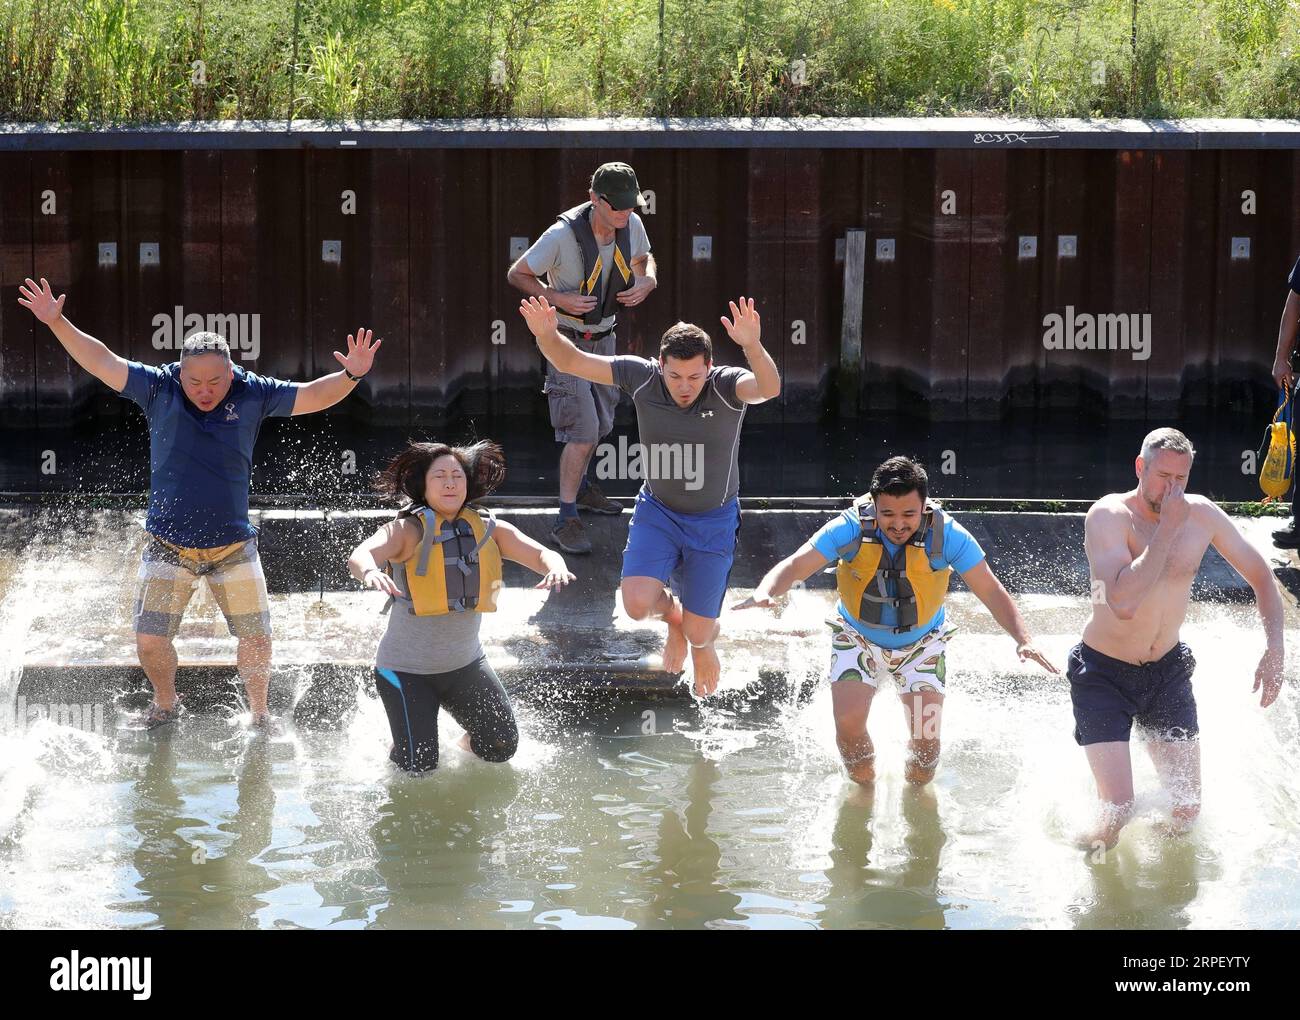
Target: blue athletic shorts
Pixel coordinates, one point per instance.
(659, 541)
(1109, 695)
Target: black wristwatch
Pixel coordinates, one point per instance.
(354, 378)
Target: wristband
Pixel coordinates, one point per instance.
(354, 378)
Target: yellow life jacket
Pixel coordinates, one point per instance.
(620, 275)
(458, 566)
(920, 580)
(1279, 462)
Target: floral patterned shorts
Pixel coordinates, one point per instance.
(915, 668)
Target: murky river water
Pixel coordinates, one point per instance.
(667, 814)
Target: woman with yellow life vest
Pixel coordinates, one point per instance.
(440, 564)
(895, 551)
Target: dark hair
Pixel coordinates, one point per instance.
(403, 479)
(684, 341)
(898, 476)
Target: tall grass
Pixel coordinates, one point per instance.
(168, 60)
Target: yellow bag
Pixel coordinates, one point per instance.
(1279, 462)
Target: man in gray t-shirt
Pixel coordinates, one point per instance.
(688, 458)
(689, 413)
(595, 259)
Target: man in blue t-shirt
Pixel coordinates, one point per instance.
(891, 620)
(204, 414)
(1284, 376)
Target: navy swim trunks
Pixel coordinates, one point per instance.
(1109, 695)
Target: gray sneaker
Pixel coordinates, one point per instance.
(571, 536)
(591, 498)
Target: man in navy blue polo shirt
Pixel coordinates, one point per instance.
(204, 413)
(1284, 375)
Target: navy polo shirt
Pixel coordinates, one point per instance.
(201, 463)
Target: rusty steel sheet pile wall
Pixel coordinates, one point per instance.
(968, 252)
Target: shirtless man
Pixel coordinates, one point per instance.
(1144, 549)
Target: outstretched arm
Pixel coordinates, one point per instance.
(517, 546)
(392, 543)
(84, 349)
(997, 600)
(559, 351)
(1245, 559)
(328, 390)
(798, 566)
(763, 381)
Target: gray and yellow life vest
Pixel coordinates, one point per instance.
(620, 276)
(921, 580)
(457, 568)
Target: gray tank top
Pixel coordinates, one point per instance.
(426, 644)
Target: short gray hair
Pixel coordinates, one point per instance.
(205, 343)
(1165, 439)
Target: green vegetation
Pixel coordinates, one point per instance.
(135, 60)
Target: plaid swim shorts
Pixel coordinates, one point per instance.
(169, 576)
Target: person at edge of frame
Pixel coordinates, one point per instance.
(1284, 373)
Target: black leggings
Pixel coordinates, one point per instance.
(472, 694)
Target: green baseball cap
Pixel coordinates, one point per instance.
(617, 182)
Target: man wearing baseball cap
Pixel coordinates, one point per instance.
(595, 259)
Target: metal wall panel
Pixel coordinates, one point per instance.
(953, 322)
(18, 327)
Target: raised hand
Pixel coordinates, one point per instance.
(361, 355)
(744, 326)
(1174, 508)
(41, 300)
(539, 314)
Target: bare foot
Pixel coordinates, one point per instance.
(674, 649)
(862, 795)
(1172, 828)
(463, 743)
(707, 669)
(918, 775)
(863, 773)
(265, 723)
(1101, 839)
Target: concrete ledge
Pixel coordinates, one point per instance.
(68, 594)
(667, 133)
(307, 550)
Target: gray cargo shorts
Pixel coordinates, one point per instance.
(581, 411)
